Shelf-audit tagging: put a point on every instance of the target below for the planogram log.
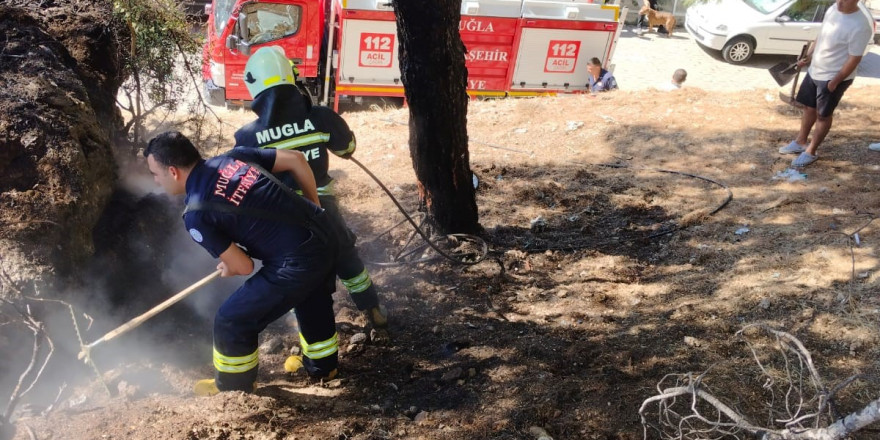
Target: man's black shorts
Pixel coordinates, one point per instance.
(814, 93)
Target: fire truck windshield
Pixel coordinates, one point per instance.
(222, 11)
(270, 21)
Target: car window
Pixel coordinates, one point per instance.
(821, 15)
(806, 11)
(765, 6)
(271, 21)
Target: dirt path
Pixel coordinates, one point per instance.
(647, 61)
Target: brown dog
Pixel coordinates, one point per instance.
(656, 18)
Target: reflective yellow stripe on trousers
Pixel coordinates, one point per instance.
(359, 283)
(319, 350)
(235, 364)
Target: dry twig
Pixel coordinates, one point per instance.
(31, 374)
(682, 411)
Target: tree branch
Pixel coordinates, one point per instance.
(730, 422)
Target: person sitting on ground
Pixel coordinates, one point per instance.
(601, 80)
(678, 79)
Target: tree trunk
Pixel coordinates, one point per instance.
(435, 81)
(57, 114)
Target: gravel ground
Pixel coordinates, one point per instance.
(647, 61)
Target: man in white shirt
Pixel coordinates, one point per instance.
(842, 40)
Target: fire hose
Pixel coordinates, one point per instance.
(476, 258)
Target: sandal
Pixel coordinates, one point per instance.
(803, 160)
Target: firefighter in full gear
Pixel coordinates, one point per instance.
(237, 213)
(286, 119)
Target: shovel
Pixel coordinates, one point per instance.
(149, 314)
(784, 72)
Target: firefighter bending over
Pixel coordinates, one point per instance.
(286, 120)
(232, 206)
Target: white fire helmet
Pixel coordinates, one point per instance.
(266, 68)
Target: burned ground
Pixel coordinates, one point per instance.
(568, 325)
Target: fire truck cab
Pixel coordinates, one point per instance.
(236, 28)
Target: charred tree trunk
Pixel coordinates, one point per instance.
(435, 81)
(58, 78)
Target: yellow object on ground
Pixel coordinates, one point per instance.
(294, 363)
(206, 387)
(378, 316)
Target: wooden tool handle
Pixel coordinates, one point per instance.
(155, 310)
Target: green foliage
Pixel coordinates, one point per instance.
(163, 61)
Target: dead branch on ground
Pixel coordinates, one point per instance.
(798, 404)
(18, 311)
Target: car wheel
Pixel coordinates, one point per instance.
(738, 50)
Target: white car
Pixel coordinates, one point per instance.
(742, 28)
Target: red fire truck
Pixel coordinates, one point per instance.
(347, 49)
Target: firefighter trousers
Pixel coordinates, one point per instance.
(303, 281)
(349, 267)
